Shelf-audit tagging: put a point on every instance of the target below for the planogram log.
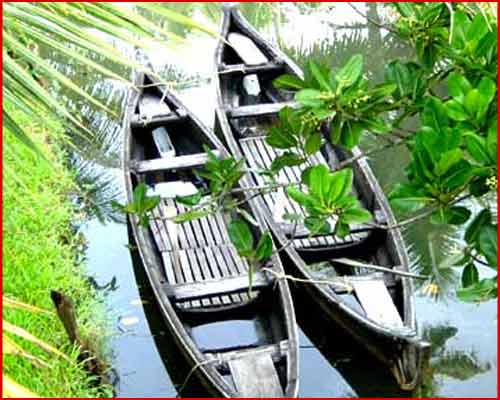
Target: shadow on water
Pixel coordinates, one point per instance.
(148, 362)
(360, 370)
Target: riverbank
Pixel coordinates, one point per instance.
(40, 254)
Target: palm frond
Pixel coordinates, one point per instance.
(77, 31)
(13, 389)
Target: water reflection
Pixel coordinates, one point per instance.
(463, 335)
(461, 365)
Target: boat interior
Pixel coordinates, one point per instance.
(202, 274)
(251, 110)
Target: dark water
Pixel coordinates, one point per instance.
(464, 360)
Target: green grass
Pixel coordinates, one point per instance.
(39, 249)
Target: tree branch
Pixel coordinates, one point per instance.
(372, 21)
(427, 212)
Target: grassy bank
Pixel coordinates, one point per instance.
(39, 250)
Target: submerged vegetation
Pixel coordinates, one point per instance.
(39, 255)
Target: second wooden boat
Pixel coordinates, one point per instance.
(239, 344)
(376, 308)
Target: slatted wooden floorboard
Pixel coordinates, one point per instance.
(203, 249)
(260, 155)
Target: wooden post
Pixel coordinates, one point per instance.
(87, 356)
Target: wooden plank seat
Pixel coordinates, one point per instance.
(247, 50)
(153, 112)
(276, 350)
(165, 164)
(209, 276)
(260, 155)
(259, 109)
(255, 376)
(138, 121)
(376, 301)
(209, 288)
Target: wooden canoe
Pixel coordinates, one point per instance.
(378, 309)
(198, 278)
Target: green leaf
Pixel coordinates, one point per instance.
(405, 9)
(376, 125)
(304, 176)
(458, 175)
(144, 220)
(488, 244)
(460, 23)
(341, 185)
(351, 71)
(151, 202)
(470, 276)
(477, 29)
(472, 231)
(190, 200)
(486, 45)
(448, 160)
(264, 247)
(309, 97)
(351, 133)
(456, 110)
(139, 193)
(319, 183)
(288, 81)
(491, 141)
(117, 206)
(47, 68)
(281, 138)
(318, 75)
(300, 197)
(287, 159)
(356, 216)
(485, 289)
(455, 215)
(241, 236)
(342, 229)
(398, 73)
(434, 114)
(313, 143)
(472, 101)
(476, 147)
(190, 215)
(458, 85)
(336, 129)
(487, 88)
(406, 199)
(177, 18)
(317, 225)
